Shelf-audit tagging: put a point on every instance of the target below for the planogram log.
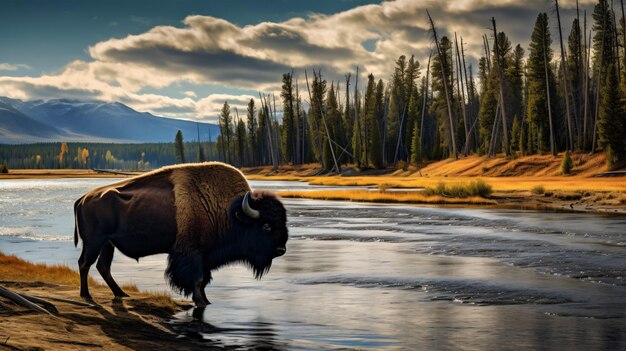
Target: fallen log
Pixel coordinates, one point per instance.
(18, 299)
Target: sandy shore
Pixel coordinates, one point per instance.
(135, 323)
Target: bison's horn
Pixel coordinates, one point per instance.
(252, 213)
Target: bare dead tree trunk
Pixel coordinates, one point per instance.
(580, 72)
(496, 121)
(399, 140)
(566, 81)
(461, 91)
(586, 83)
(384, 127)
(268, 124)
(445, 87)
(300, 136)
(424, 105)
(356, 114)
(319, 103)
(623, 22)
(487, 51)
(470, 97)
(505, 131)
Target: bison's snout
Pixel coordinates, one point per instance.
(280, 251)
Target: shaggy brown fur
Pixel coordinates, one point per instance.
(203, 193)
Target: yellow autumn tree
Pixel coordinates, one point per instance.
(85, 156)
(64, 150)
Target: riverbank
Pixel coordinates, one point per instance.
(134, 323)
(531, 182)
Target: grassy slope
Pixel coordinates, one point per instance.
(518, 175)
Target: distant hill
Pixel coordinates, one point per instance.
(90, 121)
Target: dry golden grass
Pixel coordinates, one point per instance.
(13, 268)
(533, 165)
(505, 175)
(383, 196)
(499, 183)
(16, 269)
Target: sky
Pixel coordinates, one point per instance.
(184, 58)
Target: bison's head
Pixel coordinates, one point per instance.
(260, 221)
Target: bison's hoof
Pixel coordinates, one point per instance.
(86, 297)
(121, 294)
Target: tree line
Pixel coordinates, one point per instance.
(102, 155)
(517, 103)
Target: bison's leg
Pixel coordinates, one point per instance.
(87, 258)
(206, 279)
(104, 267)
(198, 296)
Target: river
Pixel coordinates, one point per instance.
(371, 276)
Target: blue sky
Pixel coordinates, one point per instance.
(47, 34)
(184, 58)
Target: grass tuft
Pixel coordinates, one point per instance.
(538, 190)
(476, 187)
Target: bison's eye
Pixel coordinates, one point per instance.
(267, 227)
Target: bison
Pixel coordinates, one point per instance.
(203, 215)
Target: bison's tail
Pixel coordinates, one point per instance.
(76, 231)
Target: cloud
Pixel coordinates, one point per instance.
(210, 50)
(11, 67)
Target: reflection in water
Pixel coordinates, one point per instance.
(196, 324)
(381, 276)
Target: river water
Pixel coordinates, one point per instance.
(367, 276)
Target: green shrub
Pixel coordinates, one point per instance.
(566, 165)
(538, 190)
(474, 188)
(480, 188)
(3, 168)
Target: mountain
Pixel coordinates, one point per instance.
(94, 121)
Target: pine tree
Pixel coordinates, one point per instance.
(604, 37)
(316, 125)
(333, 121)
(252, 126)
(537, 113)
(226, 121)
(611, 118)
(575, 74)
(372, 135)
(415, 145)
(397, 106)
(515, 135)
(439, 107)
(288, 134)
(241, 142)
(348, 117)
(179, 147)
(380, 109)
